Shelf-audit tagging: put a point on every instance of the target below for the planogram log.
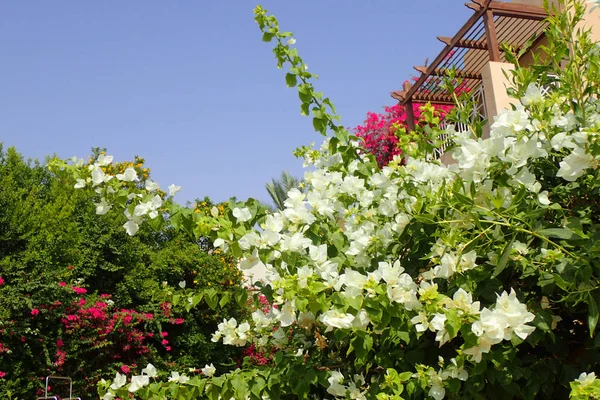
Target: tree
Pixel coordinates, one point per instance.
(80, 297)
(278, 188)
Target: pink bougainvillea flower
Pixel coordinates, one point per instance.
(35, 312)
(165, 334)
(63, 284)
(1, 281)
(125, 369)
(2, 374)
(79, 290)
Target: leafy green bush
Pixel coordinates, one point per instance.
(51, 241)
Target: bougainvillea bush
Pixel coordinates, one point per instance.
(81, 298)
(383, 134)
(416, 280)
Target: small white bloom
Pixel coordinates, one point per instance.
(80, 184)
(291, 41)
(209, 370)
(102, 208)
(182, 284)
(138, 382)
(586, 379)
(543, 198)
(574, 165)
(131, 227)
(175, 377)
(173, 189)
(336, 319)
(104, 160)
(533, 95)
(119, 381)
(108, 396)
(151, 185)
(129, 175)
(242, 214)
(150, 370)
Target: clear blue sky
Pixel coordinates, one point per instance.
(190, 86)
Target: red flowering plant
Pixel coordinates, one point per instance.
(60, 329)
(385, 134)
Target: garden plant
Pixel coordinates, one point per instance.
(415, 279)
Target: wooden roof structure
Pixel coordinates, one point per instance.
(471, 48)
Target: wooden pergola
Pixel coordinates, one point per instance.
(474, 45)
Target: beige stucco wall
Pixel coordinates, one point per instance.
(495, 82)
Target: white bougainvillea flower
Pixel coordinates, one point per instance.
(108, 396)
(138, 382)
(131, 227)
(335, 384)
(119, 381)
(129, 175)
(586, 379)
(533, 95)
(543, 198)
(151, 185)
(336, 319)
(103, 207)
(98, 175)
(291, 41)
(574, 165)
(177, 378)
(173, 189)
(104, 160)
(242, 214)
(437, 391)
(209, 370)
(80, 184)
(150, 370)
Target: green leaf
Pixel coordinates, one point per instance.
(267, 37)
(290, 80)
(593, 314)
(503, 258)
(560, 233)
(405, 376)
(225, 299)
(320, 125)
(212, 299)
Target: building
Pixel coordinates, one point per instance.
(475, 53)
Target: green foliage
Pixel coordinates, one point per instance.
(279, 188)
(50, 233)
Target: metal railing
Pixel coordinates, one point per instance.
(61, 378)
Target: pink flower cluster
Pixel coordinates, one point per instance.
(379, 134)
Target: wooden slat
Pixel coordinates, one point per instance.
(464, 43)
(446, 72)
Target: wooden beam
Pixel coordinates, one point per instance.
(490, 35)
(516, 10)
(410, 115)
(399, 95)
(444, 53)
(473, 6)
